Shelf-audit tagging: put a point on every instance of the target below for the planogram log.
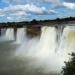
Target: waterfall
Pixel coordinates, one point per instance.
(40, 52)
(21, 33)
(43, 49)
(9, 34)
(3, 32)
(67, 42)
(47, 42)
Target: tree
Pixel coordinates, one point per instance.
(69, 68)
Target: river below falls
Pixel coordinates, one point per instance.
(10, 65)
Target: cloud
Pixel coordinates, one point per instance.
(17, 19)
(53, 11)
(28, 8)
(69, 5)
(62, 4)
(9, 18)
(25, 10)
(56, 2)
(1, 12)
(24, 3)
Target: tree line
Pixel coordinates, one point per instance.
(35, 22)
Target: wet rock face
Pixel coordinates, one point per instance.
(33, 31)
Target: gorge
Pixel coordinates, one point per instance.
(36, 50)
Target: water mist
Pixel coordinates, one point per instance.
(41, 51)
(42, 55)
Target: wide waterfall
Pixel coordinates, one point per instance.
(42, 55)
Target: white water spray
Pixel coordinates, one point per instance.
(67, 42)
(40, 52)
(21, 33)
(7, 34)
(10, 34)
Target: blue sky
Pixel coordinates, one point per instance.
(24, 10)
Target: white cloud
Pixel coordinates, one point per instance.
(9, 18)
(20, 13)
(69, 5)
(20, 10)
(1, 13)
(53, 11)
(56, 2)
(24, 12)
(64, 3)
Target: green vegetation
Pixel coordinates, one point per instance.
(69, 69)
(36, 22)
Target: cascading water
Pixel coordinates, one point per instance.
(21, 33)
(9, 34)
(3, 31)
(42, 50)
(45, 45)
(67, 44)
(36, 54)
(47, 42)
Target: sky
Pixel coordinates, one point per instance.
(26, 10)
